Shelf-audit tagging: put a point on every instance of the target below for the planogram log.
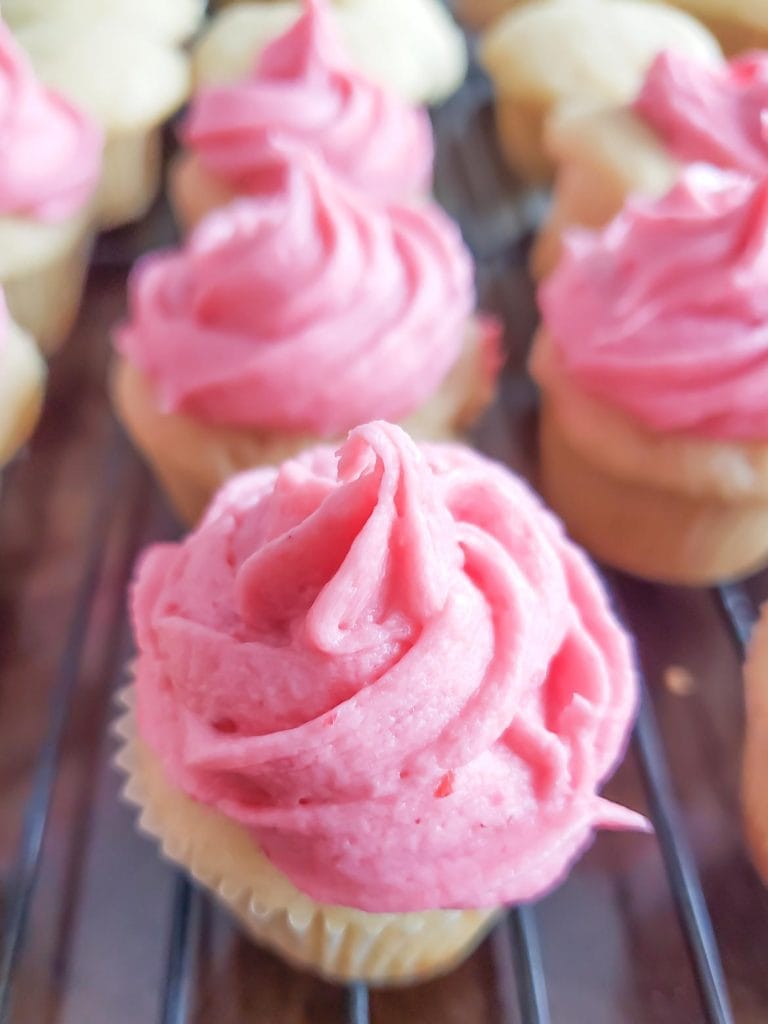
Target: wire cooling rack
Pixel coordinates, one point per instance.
(87, 940)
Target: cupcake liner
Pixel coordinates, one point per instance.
(655, 532)
(520, 125)
(193, 459)
(44, 297)
(339, 943)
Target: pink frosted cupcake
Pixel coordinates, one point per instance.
(303, 90)
(653, 363)
(687, 111)
(49, 174)
(291, 317)
(376, 695)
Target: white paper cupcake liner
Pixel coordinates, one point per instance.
(339, 943)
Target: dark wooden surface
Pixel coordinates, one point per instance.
(97, 937)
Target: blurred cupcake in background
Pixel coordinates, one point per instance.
(376, 695)
(169, 21)
(412, 47)
(290, 317)
(49, 174)
(22, 383)
(549, 55)
(303, 90)
(687, 111)
(130, 84)
(653, 365)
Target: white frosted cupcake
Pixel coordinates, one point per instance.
(49, 174)
(130, 84)
(169, 21)
(303, 91)
(412, 47)
(376, 694)
(22, 382)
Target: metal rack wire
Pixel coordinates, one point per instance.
(118, 528)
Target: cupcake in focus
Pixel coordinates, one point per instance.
(687, 111)
(49, 173)
(755, 769)
(22, 384)
(552, 53)
(653, 365)
(130, 84)
(290, 317)
(168, 21)
(304, 90)
(411, 47)
(376, 694)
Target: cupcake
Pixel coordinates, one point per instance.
(755, 768)
(289, 318)
(302, 90)
(22, 382)
(552, 51)
(687, 111)
(376, 694)
(411, 47)
(48, 177)
(130, 84)
(169, 21)
(653, 365)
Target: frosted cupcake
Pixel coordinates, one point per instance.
(653, 365)
(130, 84)
(411, 47)
(551, 52)
(292, 316)
(687, 111)
(375, 697)
(49, 173)
(302, 90)
(755, 768)
(22, 382)
(169, 21)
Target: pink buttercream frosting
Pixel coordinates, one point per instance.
(664, 313)
(710, 113)
(390, 666)
(304, 89)
(303, 308)
(50, 152)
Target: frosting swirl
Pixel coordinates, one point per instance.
(664, 313)
(50, 152)
(393, 669)
(304, 89)
(710, 113)
(321, 310)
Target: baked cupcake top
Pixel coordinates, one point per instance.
(712, 113)
(664, 313)
(303, 308)
(50, 152)
(304, 89)
(392, 667)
